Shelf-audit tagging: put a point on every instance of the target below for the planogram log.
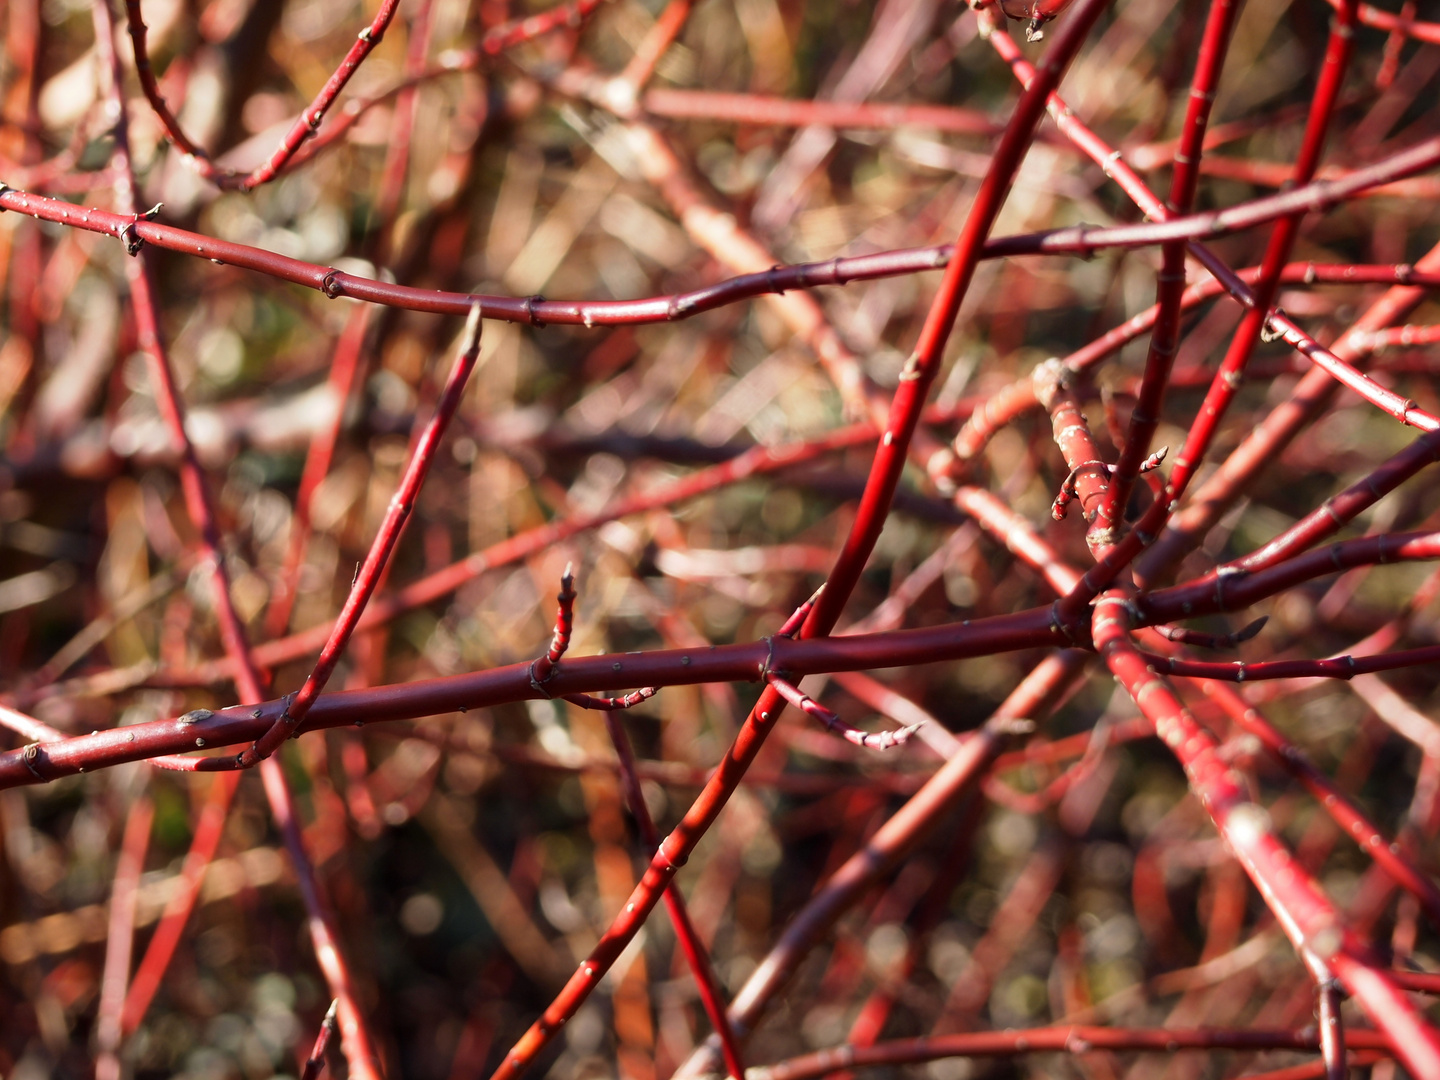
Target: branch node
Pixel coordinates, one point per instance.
(31, 756)
(130, 238)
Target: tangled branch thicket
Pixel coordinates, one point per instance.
(996, 592)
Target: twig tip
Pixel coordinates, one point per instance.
(470, 340)
(902, 735)
(1251, 630)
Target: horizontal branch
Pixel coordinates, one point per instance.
(712, 105)
(1063, 1038)
(37, 763)
(1240, 588)
(1381, 19)
(747, 662)
(1313, 197)
(536, 310)
(1334, 667)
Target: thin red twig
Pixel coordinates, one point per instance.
(304, 126)
(388, 535)
(316, 1061)
(121, 939)
(711, 995)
